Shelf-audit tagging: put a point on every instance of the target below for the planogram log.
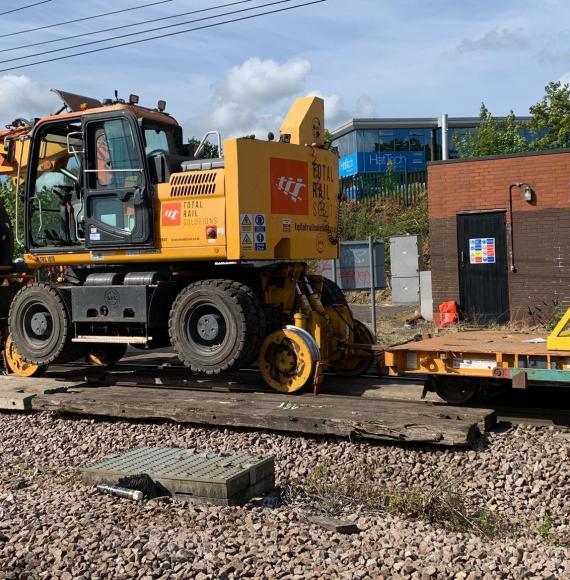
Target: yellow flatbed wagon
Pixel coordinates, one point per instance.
(459, 364)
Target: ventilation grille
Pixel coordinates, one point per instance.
(198, 183)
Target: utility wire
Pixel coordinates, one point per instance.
(84, 18)
(204, 27)
(168, 26)
(34, 44)
(24, 7)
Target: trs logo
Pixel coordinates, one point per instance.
(289, 187)
(171, 214)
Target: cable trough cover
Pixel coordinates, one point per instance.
(197, 477)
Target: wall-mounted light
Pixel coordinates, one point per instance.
(528, 196)
(527, 193)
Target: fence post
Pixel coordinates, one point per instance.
(372, 283)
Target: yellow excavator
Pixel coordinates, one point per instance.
(131, 237)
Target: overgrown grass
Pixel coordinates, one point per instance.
(384, 218)
(443, 505)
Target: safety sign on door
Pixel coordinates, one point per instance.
(482, 251)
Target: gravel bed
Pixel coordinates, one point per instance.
(52, 526)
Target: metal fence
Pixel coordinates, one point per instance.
(406, 187)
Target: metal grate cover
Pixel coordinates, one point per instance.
(202, 476)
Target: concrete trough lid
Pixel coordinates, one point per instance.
(199, 477)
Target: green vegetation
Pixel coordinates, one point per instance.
(385, 217)
(550, 122)
(441, 505)
(545, 529)
(493, 136)
(551, 117)
(210, 150)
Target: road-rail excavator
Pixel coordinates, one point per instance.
(131, 237)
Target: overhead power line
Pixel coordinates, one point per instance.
(203, 27)
(166, 27)
(122, 27)
(24, 7)
(55, 24)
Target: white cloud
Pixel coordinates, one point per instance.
(20, 96)
(336, 113)
(261, 82)
(249, 99)
(365, 107)
(503, 39)
(253, 97)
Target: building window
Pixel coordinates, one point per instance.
(385, 140)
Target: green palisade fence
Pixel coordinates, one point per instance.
(405, 187)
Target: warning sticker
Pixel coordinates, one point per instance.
(259, 219)
(260, 247)
(246, 241)
(260, 238)
(246, 222)
(482, 251)
(286, 225)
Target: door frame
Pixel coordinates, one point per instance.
(459, 251)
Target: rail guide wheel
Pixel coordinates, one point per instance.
(288, 359)
(15, 364)
(358, 361)
(106, 355)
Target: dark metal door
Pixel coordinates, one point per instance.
(483, 270)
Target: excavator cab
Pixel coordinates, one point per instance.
(88, 185)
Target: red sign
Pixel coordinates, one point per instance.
(289, 187)
(172, 214)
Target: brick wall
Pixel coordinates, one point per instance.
(541, 230)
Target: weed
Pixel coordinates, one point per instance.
(442, 505)
(545, 529)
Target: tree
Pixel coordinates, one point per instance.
(493, 136)
(210, 150)
(551, 118)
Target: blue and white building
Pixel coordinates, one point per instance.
(369, 146)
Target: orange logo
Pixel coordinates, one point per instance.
(289, 187)
(171, 214)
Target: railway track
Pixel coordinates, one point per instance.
(516, 407)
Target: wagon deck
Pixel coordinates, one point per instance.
(482, 353)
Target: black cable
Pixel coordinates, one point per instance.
(55, 59)
(33, 44)
(24, 7)
(102, 40)
(84, 18)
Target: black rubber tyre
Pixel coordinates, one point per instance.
(40, 325)
(216, 326)
(455, 390)
(331, 295)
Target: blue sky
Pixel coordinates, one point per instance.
(367, 57)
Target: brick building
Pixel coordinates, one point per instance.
(500, 235)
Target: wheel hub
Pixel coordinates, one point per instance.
(285, 359)
(209, 326)
(39, 324)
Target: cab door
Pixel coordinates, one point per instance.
(118, 204)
